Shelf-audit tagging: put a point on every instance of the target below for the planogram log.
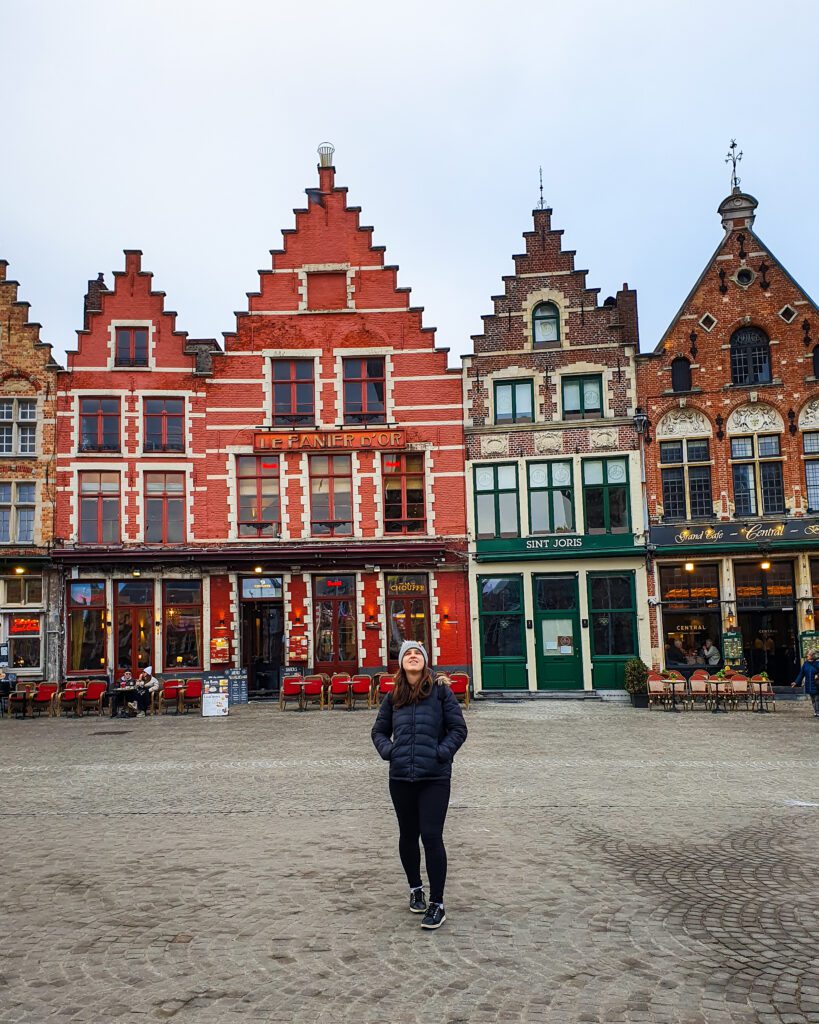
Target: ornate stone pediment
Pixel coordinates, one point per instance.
(493, 444)
(684, 423)
(809, 416)
(754, 417)
(603, 438)
(547, 442)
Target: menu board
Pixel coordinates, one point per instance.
(732, 651)
(233, 682)
(214, 696)
(808, 641)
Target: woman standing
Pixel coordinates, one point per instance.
(419, 728)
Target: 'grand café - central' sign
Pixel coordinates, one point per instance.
(736, 536)
(328, 440)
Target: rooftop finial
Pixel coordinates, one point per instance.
(733, 158)
(541, 204)
(325, 152)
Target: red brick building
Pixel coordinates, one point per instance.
(294, 499)
(732, 461)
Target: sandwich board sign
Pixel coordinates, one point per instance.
(214, 696)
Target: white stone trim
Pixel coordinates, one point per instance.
(112, 348)
(361, 618)
(381, 615)
(435, 653)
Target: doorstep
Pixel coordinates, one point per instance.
(517, 696)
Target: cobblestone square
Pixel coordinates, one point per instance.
(606, 865)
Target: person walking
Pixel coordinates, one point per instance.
(808, 677)
(419, 728)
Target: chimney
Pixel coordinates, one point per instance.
(326, 169)
(93, 298)
(737, 211)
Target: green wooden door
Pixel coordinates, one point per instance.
(503, 646)
(557, 633)
(613, 622)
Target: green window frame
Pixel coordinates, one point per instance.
(545, 325)
(497, 506)
(606, 505)
(501, 613)
(582, 397)
(551, 497)
(613, 614)
(514, 401)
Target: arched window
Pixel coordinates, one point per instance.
(546, 325)
(816, 361)
(680, 374)
(750, 357)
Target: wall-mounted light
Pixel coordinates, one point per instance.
(221, 623)
(19, 569)
(298, 618)
(257, 568)
(136, 572)
(689, 567)
(809, 612)
(765, 564)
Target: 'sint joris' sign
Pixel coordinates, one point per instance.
(328, 440)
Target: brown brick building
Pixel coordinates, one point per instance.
(732, 461)
(557, 538)
(29, 595)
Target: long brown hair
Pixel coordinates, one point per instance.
(406, 692)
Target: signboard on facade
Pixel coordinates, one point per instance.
(558, 545)
(732, 651)
(736, 535)
(328, 440)
(24, 624)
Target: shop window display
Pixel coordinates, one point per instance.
(692, 621)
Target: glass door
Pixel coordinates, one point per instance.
(134, 610)
(334, 624)
(613, 615)
(407, 613)
(557, 633)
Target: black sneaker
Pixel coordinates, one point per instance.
(434, 917)
(418, 901)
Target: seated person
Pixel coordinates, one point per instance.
(118, 699)
(146, 685)
(711, 653)
(674, 654)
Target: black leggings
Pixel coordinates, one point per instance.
(421, 811)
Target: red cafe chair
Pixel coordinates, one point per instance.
(290, 690)
(168, 694)
(339, 692)
(360, 689)
(66, 699)
(192, 696)
(386, 684)
(459, 684)
(43, 699)
(313, 691)
(93, 697)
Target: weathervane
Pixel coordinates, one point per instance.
(733, 158)
(541, 204)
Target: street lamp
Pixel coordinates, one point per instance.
(640, 420)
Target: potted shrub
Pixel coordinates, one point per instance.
(636, 682)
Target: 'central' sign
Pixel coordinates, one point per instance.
(328, 440)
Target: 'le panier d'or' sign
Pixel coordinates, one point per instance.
(328, 440)
(735, 533)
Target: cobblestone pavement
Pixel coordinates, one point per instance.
(606, 865)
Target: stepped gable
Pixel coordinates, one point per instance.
(134, 299)
(328, 264)
(19, 336)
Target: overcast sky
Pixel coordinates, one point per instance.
(189, 130)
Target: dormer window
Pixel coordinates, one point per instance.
(750, 357)
(545, 325)
(680, 374)
(132, 346)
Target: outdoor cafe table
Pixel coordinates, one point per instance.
(715, 681)
(348, 700)
(127, 692)
(673, 682)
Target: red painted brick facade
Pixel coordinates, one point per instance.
(327, 296)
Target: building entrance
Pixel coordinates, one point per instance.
(334, 629)
(767, 619)
(262, 635)
(407, 613)
(134, 610)
(557, 633)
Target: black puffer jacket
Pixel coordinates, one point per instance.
(420, 740)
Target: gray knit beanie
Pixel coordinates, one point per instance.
(408, 645)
